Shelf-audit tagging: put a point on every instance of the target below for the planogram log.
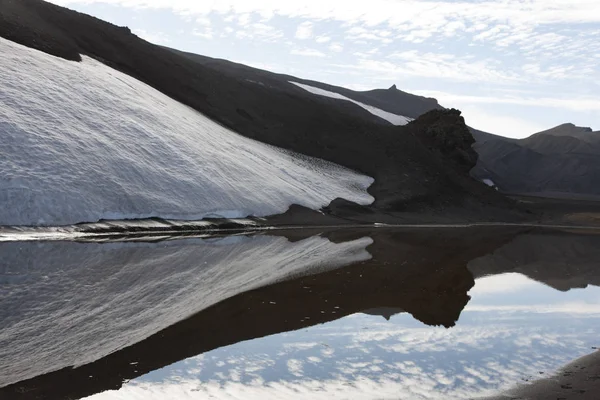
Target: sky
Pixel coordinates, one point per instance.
(514, 67)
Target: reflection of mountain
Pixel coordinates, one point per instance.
(561, 260)
(65, 303)
(385, 312)
(423, 273)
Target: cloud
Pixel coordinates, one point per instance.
(307, 53)
(244, 19)
(433, 65)
(205, 33)
(323, 39)
(304, 31)
(259, 31)
(548, 46)
(432, 13)
(556, 31)
(336, 47)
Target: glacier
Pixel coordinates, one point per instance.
(81, 142)
(393, 119)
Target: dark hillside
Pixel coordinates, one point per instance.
(560, 162)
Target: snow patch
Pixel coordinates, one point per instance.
(83, 142)
(490, 183)
(391, 118)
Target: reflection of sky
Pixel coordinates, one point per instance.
(512, 330)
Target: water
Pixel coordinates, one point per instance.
(343, 314)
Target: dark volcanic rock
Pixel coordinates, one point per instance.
(445, 132)
(561, 162)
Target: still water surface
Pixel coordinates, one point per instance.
(366, 314)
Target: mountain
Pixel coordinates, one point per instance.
(413, 167)
(560, 162)
(390, 100)
(152, 156)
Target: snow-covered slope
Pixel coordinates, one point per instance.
(391, 118)
(81, 141)
(67, 303)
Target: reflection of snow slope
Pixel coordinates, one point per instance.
(391, 118)
(81, 142)
(67, 303)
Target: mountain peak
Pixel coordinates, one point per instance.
(567, 129)
(393, 87)
(572, 127)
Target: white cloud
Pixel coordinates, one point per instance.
(205, 33)
(307, 53)
(244, 19)
(304, 31)
(434, 65)
(336, 47)
(505, 283)
(203, 20)
(259, 31)
(539, 43)
(435, 13)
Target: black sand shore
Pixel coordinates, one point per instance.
(578, 380)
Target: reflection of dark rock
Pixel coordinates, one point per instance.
(385, 312)
(559, 259)
(421, 272)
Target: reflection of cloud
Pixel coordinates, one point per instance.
(566, 308)
(365, 357)
(371, 359)
(299, 346)
(295, 367)
(505, 283)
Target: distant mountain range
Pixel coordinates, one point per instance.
(560, 162)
